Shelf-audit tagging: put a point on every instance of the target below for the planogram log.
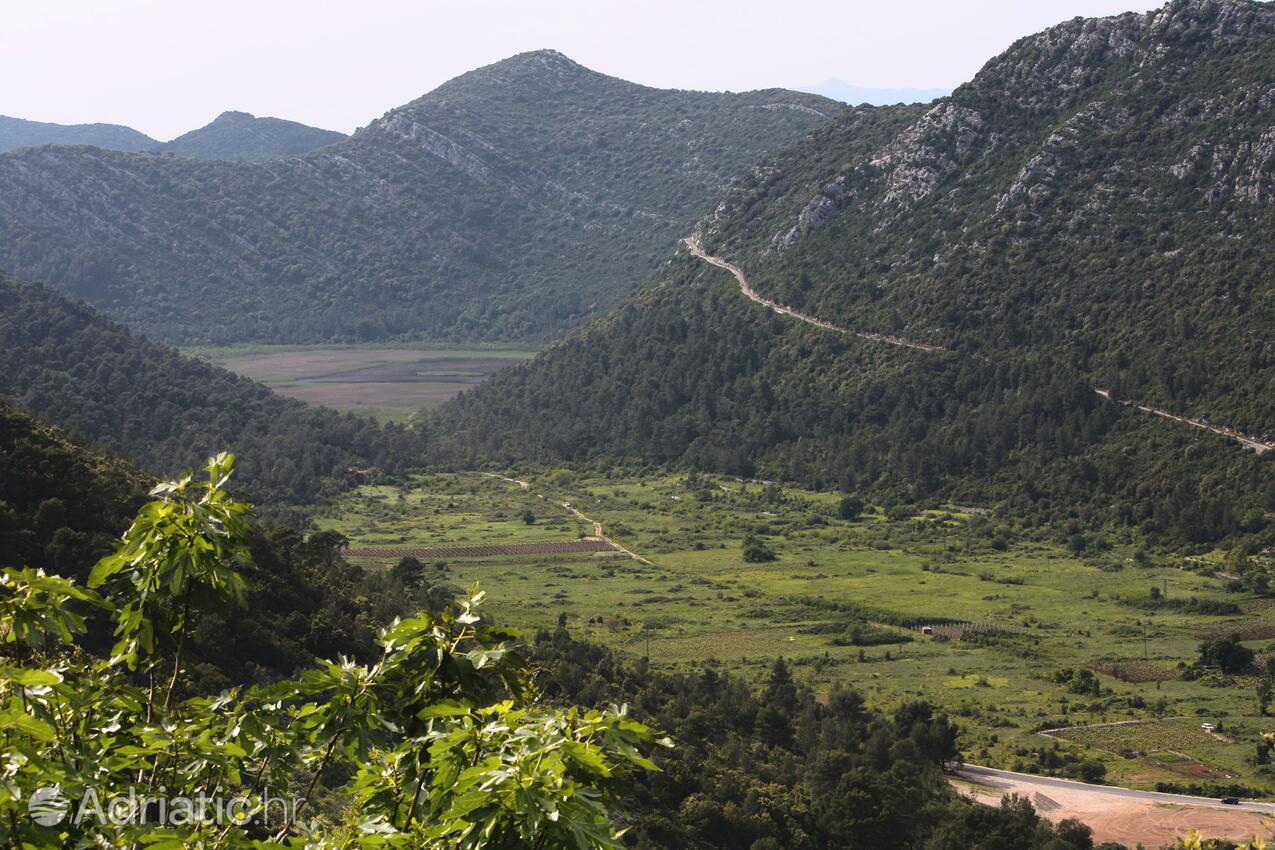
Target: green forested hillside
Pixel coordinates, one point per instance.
(238, 135)
(20, 133)
(169, 412)
(1104, 269)
(61, 506)
(775, 767)
(1104, 190)
(511, 202)
(691, 373)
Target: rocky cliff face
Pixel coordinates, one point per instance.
(1053, 98)
(1089, 186)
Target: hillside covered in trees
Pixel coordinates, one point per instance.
(1018, 224)
(512, 202)
(64, 505)
(1103, 191)
(61, 505)
(168, 412)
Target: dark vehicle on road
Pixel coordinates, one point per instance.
(1231, 801)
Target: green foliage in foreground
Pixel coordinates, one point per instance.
(438, 743)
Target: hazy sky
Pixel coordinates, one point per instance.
(167, 66)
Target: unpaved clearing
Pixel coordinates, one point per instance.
(1119, 814)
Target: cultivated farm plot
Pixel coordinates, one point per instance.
(1178, 745)
(1178, 733)
(491, 550)
(388, 382)
(1136, 671)
(1259, 627)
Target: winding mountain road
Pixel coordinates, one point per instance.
(696, 248)
(693, 243)
(1253, 443)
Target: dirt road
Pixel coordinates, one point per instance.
(523, 484)
(1253, 443)
(1121, 815)
(693, 243)
(597, 532)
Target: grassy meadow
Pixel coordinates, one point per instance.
(1013, 620)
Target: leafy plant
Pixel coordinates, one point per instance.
(441, 742)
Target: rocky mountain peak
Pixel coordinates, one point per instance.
(1223, 20)
(546, 58)
(1054, 67)
(233, 115)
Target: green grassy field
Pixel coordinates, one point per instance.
(843, 602)
(390, 382)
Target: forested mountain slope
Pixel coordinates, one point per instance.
(513, 201)
(1037, 226)
(239, 135)
(61, 505)
(1104, 190)
(169, 412)
(20, 133)
(779, 767)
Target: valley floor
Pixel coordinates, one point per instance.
(1009, 634)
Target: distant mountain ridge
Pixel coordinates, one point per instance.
(20, 133)
(511, 202)
(240, 135)
(232, 136)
